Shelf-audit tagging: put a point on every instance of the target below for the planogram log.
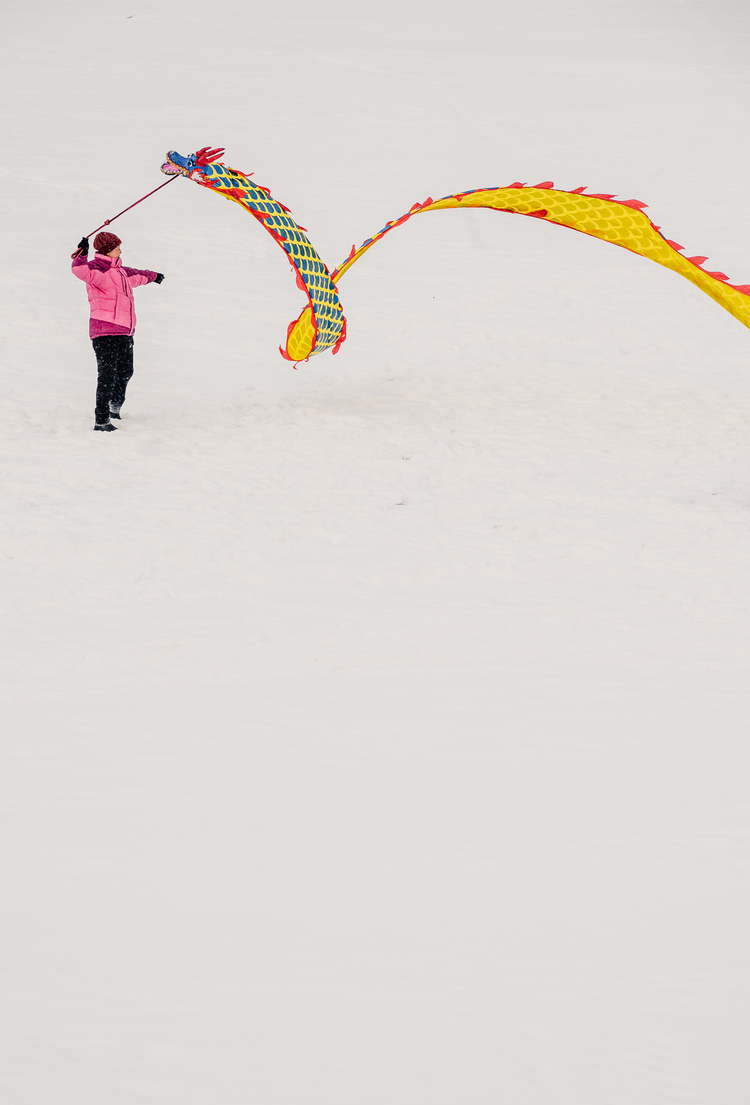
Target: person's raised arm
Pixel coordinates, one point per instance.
(81, 267)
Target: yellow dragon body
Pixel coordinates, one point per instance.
(322, 324)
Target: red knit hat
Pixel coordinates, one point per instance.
(106, 242)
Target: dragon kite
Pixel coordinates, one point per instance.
(322, 324)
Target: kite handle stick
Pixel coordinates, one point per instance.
(108, 221)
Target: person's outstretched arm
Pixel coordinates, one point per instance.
(136, 277)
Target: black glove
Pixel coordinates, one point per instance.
(82, 249)
(158, 278)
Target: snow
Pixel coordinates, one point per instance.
(376, 731)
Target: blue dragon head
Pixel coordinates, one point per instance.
(191, 166)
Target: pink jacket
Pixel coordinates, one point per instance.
(110, 288)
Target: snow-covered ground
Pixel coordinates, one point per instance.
(376, 732)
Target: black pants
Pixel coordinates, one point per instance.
(114, 359)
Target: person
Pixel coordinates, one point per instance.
(110, 289)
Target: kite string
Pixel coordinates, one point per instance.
(108, 221)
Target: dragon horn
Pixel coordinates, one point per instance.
(206, 155)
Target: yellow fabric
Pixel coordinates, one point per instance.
(299, 344)
(605, 219)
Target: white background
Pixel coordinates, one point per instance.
(376, 731)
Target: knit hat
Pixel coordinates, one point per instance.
(106, 242)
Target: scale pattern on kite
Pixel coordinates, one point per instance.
(322, 325)
(599, 215)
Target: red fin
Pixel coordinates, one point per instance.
(674, 245)
(635, 204)
(718, 276)
(545, 184)
(697, 260)
(536, 214)
(577, 191)
(516, 184)
(600, 196)
(342, 339)
(744, 288)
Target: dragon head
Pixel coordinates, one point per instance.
(191, 166)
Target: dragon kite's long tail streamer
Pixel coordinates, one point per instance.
(620, 222)
(322, 324)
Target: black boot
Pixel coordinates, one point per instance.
(106, 427)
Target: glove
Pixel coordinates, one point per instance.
(158, 278)
(82, 249)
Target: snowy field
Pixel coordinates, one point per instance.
(376, 733)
